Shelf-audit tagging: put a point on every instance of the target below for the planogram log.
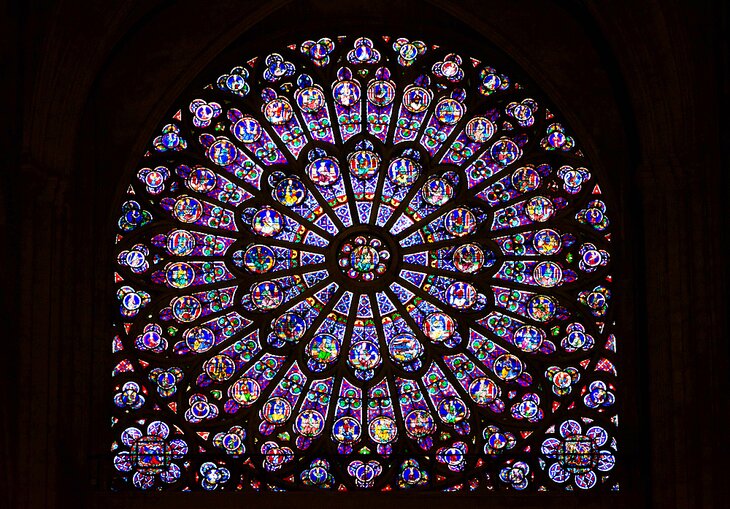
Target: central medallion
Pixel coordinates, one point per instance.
(363, 257)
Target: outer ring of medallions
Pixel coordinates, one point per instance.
(381, 282)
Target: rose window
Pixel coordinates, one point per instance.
(364, 263)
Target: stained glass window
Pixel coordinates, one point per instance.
(364, 264)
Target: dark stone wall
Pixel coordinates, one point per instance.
(643, 85)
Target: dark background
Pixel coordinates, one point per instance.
(643, 84)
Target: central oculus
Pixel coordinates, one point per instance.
(363, 257)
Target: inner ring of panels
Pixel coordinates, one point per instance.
(364, 264)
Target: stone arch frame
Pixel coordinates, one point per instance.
(54, 165)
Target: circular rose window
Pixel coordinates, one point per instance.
(364, 263)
